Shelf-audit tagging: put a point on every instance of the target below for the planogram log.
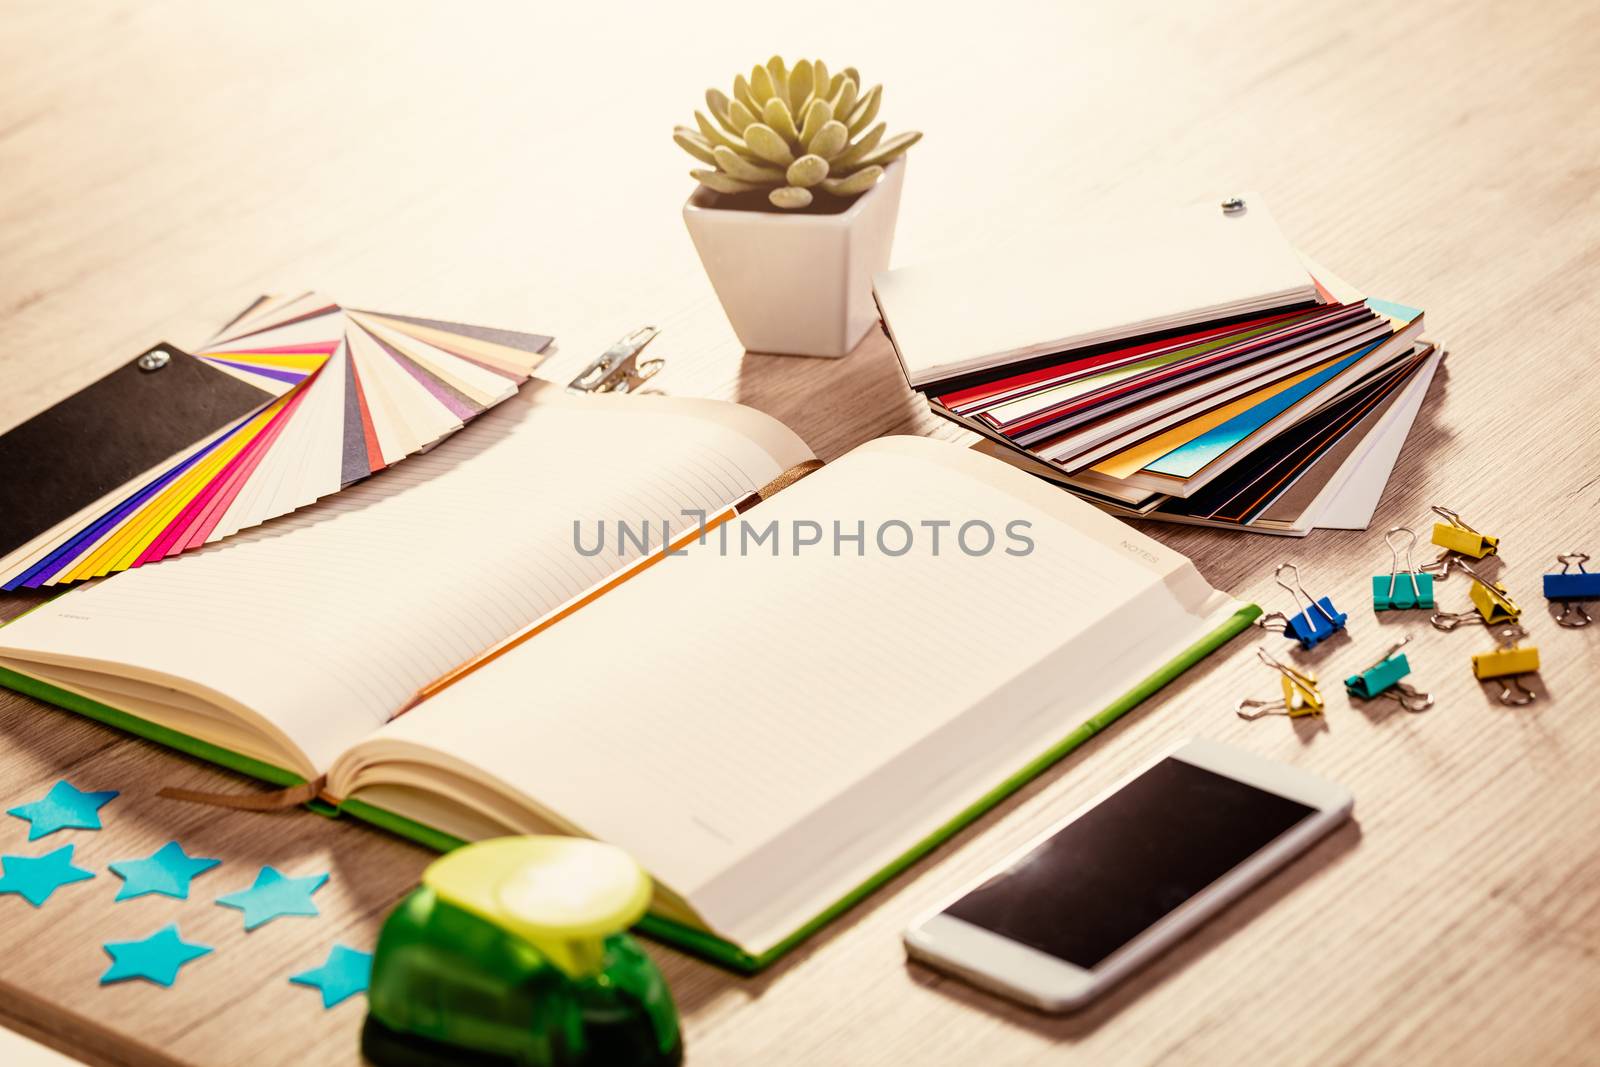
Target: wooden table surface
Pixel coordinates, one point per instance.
(163, 162)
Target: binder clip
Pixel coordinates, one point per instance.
(1393, 593)
(618, 369)
(1300, 694)
(1567, 587)
(1491, 603)
(1458, 539)
(1383, 679)
(1507, 664)
(1310, 625)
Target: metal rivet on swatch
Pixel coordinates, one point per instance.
(154, 360)
(1233, 206)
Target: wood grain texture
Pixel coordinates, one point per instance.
(161, 163)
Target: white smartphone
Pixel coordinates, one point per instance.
(1115, 883)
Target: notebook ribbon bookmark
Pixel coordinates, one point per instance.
(277, 800)
(781, 482)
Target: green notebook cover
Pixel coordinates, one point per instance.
(696, 942)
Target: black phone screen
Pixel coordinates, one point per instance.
(1112, 873)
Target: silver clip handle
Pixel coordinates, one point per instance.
(618, 369)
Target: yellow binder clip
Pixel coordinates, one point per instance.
(1491, 602)
(1300, 693)
(1458, 539)
(1507, 665)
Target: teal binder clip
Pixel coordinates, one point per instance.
(1382, 679)
(1409, 588)
(1310, 625)
(1567, 587)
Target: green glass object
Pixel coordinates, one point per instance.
(514, 952)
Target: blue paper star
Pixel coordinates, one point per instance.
(34, 878)
(167, 871)
(64, 807)
(274, 895)
(155, 959)
(345, 974)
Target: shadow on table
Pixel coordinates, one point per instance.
(1068, 1028)
(834, 404)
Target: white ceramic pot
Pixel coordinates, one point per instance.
(798, 284)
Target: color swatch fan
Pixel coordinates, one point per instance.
(1186, 367)
(291, 401)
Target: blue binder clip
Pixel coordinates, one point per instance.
(1409, 588)
(1567, 587)
(1310, 625)
(1382, 679)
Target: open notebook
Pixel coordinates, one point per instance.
(772, 732)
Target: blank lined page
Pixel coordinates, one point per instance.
(327, 621)
(758, 690)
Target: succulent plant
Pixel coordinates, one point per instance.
(791, 132)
